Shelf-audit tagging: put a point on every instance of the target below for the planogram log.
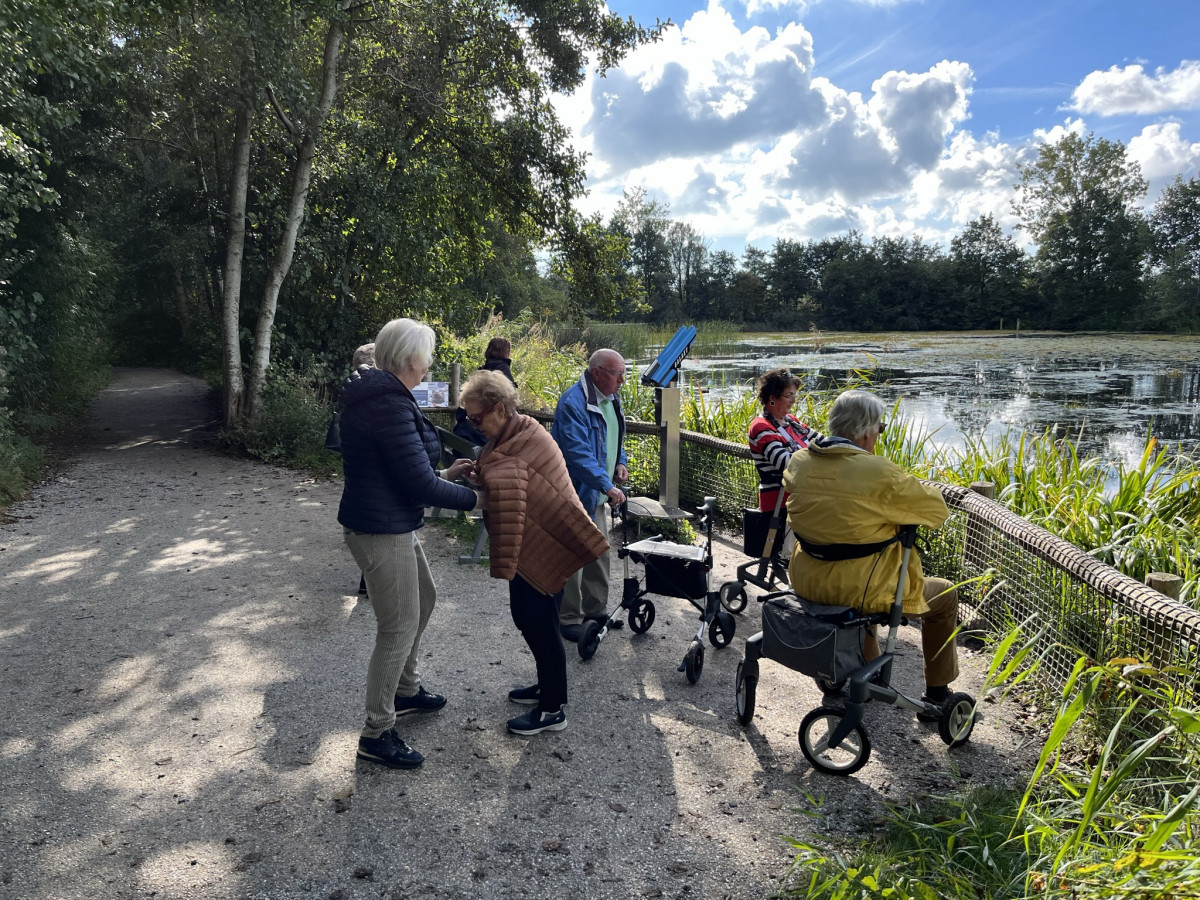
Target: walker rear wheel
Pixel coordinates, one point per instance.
(589, 639)
(641, 617)
(848, 757)
(721, 629)
(958, 719)
(693, 663)
(744, 692)
(733, 596)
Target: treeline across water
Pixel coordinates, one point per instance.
(1096, 261)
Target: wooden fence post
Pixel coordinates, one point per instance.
(666, 416)
(1165, 583)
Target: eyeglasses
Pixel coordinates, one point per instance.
(620, 376)
(477, 419)
(882, 427)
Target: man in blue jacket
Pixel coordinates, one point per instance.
(590, 430)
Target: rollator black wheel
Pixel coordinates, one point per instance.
(721, 629)
(849, 756)
(958, 719)
(589, 639)
(693, 663)
(744, 691)
(641, 617)
(733, 596)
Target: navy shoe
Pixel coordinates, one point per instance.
(526, 696)
(421, 701)
(536, 721)
(389, 750)
(571, 633)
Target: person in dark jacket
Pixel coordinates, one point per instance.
(389, 453)
(495, 359)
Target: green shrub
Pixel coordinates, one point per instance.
(291, 429)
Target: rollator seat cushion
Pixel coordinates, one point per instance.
(811, 638)
(673, 570)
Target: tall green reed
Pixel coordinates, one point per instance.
(1110, 810)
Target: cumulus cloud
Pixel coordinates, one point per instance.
(1130, 90)
(875, 148)
(731, 128)
(703, 89)
(1163, 153)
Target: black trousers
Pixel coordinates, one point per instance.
(536, 616)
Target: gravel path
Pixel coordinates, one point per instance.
(182, 659)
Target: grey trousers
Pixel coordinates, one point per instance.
(586, 592)
(402, 594)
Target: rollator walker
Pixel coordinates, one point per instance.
(825, 643)
(672, 570)
(763, 535)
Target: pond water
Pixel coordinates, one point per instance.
(1116, 388)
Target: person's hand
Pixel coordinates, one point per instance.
(459, 468)
(615, 496)
(481, 500)
(621, 474)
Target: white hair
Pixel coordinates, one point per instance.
(855, 414)
(404, 344)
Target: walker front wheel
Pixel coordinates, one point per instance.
(733, 596)
(721, 629)
(589, 639)
(693, 662)
(744, 692)
(958, 719)
(845, 759)
(641, 617)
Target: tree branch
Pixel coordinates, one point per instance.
(287, 123)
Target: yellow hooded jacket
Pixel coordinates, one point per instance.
(841, 494)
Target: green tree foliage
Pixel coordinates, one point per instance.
(988, 272)
(1175, 231)
(55, 279)
(1077, 201)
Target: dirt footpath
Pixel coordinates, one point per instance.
(182, 660)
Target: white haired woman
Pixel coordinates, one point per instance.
(840, 492)
(540, 535)
(389, 453)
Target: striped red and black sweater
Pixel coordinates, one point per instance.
(772, 443)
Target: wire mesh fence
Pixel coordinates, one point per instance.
(1012, 573)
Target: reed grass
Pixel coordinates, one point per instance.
(1110, 810)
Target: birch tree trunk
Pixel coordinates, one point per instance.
(301, 179)
(234, 251)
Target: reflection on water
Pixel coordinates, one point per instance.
(1115, 388)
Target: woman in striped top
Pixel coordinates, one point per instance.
(776, 434)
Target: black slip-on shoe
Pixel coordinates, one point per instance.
(536, 721)
(526, 696)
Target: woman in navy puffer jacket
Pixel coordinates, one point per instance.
(389, 450)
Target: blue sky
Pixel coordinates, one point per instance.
(760, 119)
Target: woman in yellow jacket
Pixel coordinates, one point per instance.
(842, 493)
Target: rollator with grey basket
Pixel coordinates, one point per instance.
(826, 643)
(672, 570)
